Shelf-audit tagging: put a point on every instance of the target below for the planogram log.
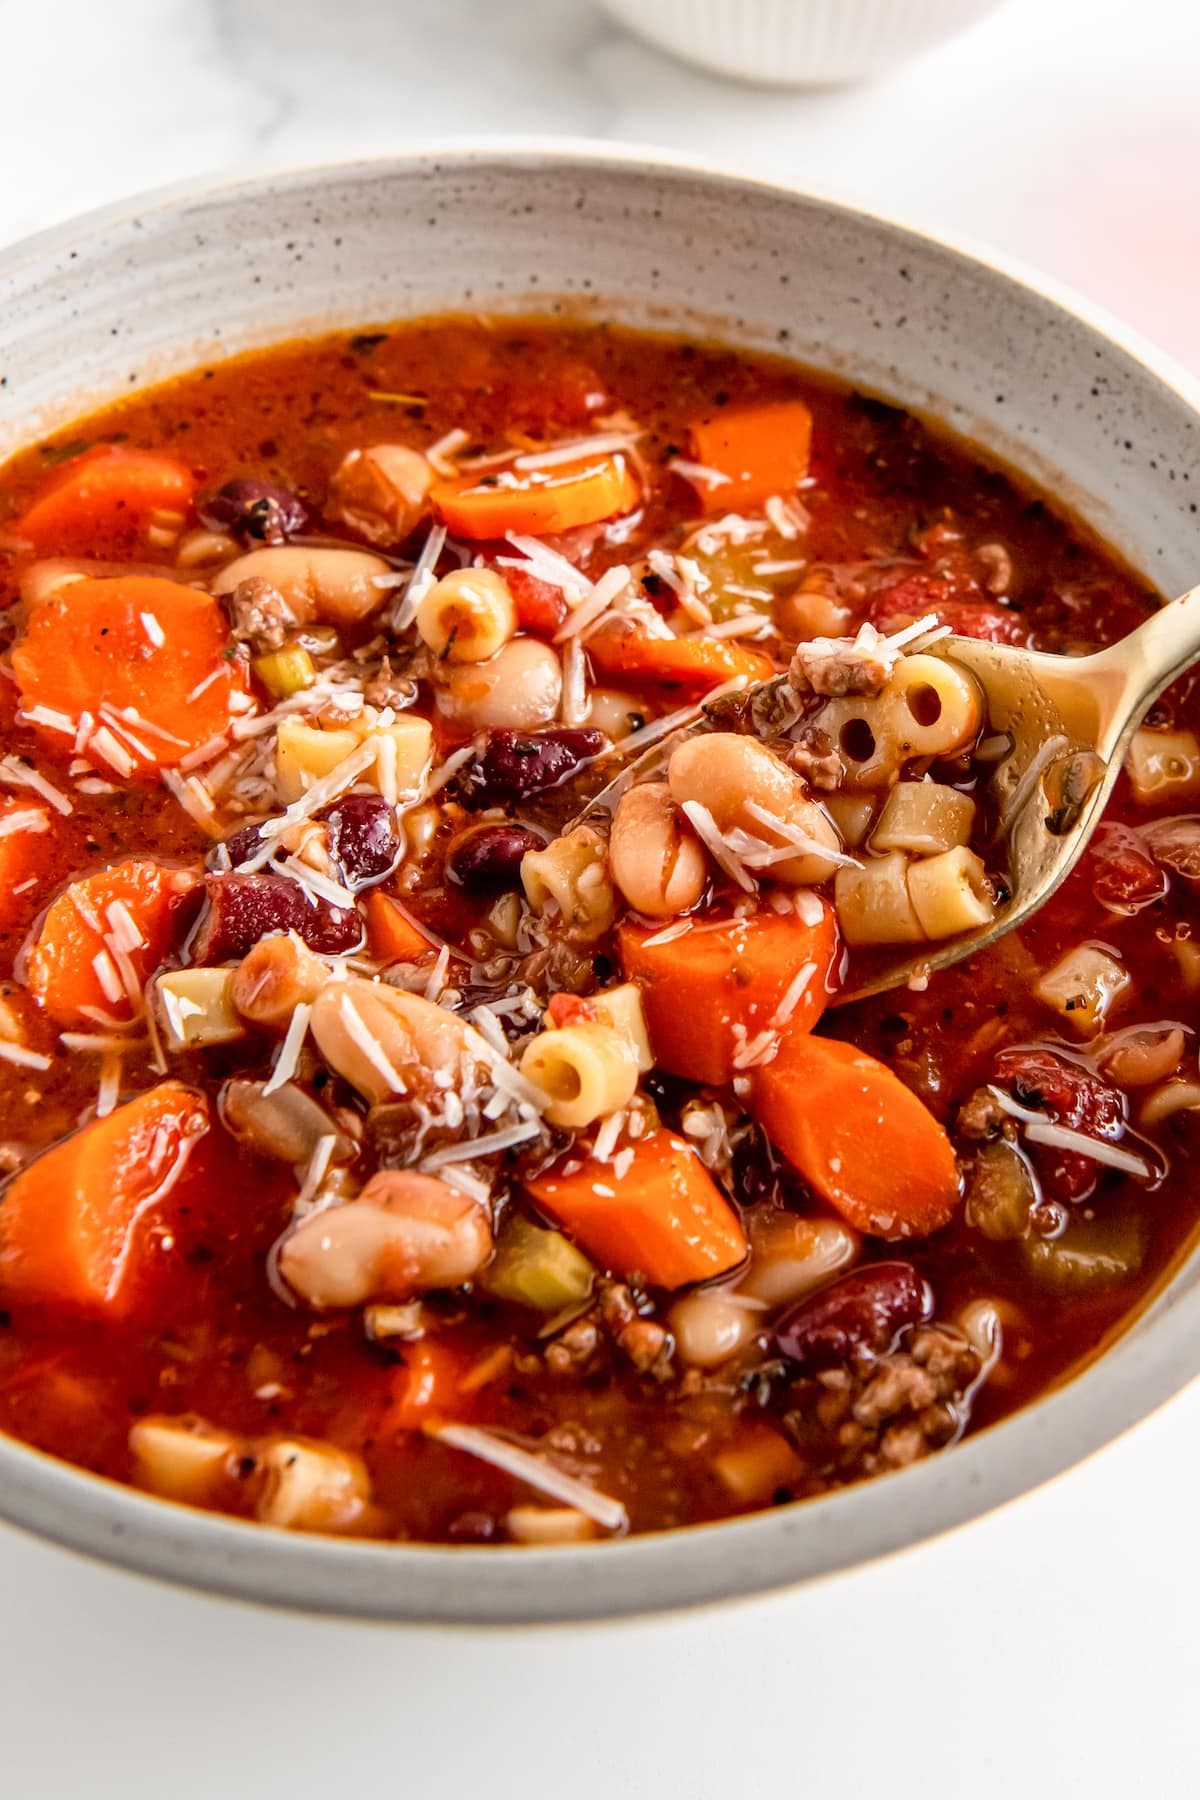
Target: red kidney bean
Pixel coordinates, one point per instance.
(1074, 1097)
(541, 607)
(254, 510)
(473, 1528)
(489, 856)
(364, 837)
(513, 765)
(757, 1173)
(1126, 875)
(244, 908)
(862, 1314)
(242, 845)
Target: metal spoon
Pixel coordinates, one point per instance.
(1069, 720)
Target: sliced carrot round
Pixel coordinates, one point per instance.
(710, 993)
(68, 1222)
(103, 503)
(688, 668)
(860, 1138)
(104, 937)
(544, 501)
(136, 666)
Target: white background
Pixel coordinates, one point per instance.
(1049, 1650)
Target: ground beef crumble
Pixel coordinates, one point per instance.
(837, 667)
(885, 1412)
(259, 615)
(613, 1323)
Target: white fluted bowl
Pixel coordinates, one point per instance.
(796, 43)
(170, 281)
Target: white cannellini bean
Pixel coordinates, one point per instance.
(521, 687)
(549, 1525)
(614, 713)
(654, 859)
(274, 978)
(981, 1325)
(336, 586)
(405, 1235)
(712, 1325)
(724, 772)
(181, 1459)
(794, 1256)
(306, 1485)
(386, 1042)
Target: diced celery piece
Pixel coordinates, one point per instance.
(1090, 1254)
(538, 1268)
(285, 672)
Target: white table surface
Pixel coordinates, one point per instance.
(1048, 1650)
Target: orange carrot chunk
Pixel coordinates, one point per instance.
(85, 966)
(860, 1138)
(26, 838)
(391, 936)
(664, 1219)
(554, 499)
(687, 668)
(762, 450)
(104, 503)
(712, 991)
(427, 1388)
(136, 666)
(69, 1222)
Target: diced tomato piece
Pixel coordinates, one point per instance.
(1126, 875)
(541, 607)
(918, 595)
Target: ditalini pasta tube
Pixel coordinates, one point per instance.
(587, 1071)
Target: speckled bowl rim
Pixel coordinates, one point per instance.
(656, 1571)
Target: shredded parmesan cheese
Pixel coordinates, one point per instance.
(404, 608)
(576, 450)
(439, 454)
(793, 994)
(287, 1062)
(699, 474)
(371, 1048)
(25, 1059)
(19, 774)
(705, 827)
(490, 1144)
(536, 1471)
(28, 819)
(686, 715)
(1061, 1137)
(669, 933)
(611, 584)
(547, 565)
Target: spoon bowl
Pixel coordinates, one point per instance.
(1065, 723)
(1069, 721)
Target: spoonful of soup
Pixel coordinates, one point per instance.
(934, 790)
